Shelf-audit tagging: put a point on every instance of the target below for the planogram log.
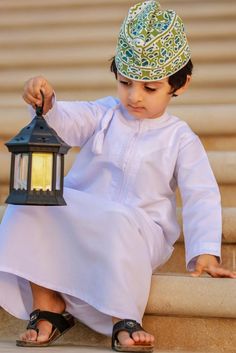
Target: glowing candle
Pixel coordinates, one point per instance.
(41, 175)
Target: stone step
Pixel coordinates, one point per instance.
(202, 96)
(63, 16)
(9, 346)
(100, 344)
(181, 313)
(10, 4)
(206, 121)
(209, 119)
(228, 228)
(194, 96)
(200, 34)
(28, 4)
(228, 193)
(205, 95)
(176, 263)
(219, 143)
(214, 76)
(226, 196)
(223, 165)
(109, 12)
(88, 55)
(229, 225)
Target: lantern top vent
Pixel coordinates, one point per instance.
(37, 136)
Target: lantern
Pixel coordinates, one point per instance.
(37, 165)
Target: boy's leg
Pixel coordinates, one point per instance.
(43, 299)
(138, 337)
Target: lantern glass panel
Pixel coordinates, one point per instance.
(21, 171)
(41, 172)
(58, 172)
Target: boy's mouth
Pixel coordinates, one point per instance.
(136, 108)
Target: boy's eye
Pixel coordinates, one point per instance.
(150, 89)
(124, 82)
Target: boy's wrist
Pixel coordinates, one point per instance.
(48, 103)
(213, 259)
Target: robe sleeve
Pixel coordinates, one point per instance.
(75, 121)
(201, 210)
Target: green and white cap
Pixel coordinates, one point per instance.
(152, 43)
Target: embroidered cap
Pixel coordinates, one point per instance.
(152, 43)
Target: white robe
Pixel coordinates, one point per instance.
(120, 222)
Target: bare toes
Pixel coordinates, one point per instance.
(139, 337)
(125, 339)
(29, 335)
(142, 337)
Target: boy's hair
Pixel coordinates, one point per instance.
(176, 81)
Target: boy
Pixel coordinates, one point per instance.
(120, 221)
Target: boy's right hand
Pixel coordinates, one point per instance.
(32, 94)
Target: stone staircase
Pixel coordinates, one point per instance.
(70, 42)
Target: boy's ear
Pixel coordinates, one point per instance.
(184, 87)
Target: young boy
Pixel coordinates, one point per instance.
(94, 257)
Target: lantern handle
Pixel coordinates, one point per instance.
(39, 110)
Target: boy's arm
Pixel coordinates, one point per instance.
(74, 122)
(209, 264)
(201, 210)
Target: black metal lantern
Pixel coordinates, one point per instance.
(37, 165)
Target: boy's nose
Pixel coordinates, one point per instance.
(135, 96)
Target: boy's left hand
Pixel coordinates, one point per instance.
(209, 264)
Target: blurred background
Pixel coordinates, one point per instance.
(70, 42)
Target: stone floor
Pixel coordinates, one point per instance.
(10, 347)
(7, 346)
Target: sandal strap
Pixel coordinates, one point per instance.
(127, 325)
(57, 320)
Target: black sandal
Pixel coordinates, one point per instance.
(129, 326)
(61, 324)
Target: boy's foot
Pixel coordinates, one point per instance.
(138, 337)
(129, 335)
(55, 305)
(61, 323)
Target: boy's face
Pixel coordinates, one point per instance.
(144, 100)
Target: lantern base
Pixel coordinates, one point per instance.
(35, 198)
